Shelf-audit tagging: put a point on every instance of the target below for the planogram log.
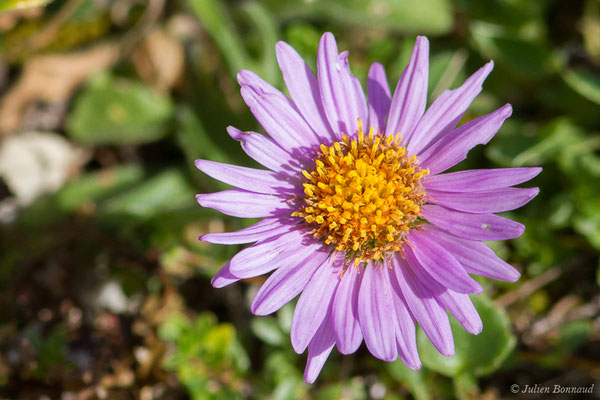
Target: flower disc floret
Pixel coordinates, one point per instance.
(363, 195)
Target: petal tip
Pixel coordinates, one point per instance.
(513, 276)
(200, 163)
(507, 109)
(477, 288)
(309, 377)
(415, 365)
(234, 132)
(422, 41)
(447, 351)
(476, 330)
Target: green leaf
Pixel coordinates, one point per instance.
(267, 329)
(94, 186)
(515, 148)
(284, 317)
(11, 5)
(532, 58)
(287, 389)
(574, 335)
(167, 191)
(215, 19)
(266, 27)
(205, 352)
(446, 69)
(414, 380)
(416, 16)
(476, 355)
(195, 141)
(584, 82)
(118, 111)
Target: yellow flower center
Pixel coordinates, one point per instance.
(363, 195)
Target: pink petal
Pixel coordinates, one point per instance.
(492, 201)
(379, 97)
(318, 350)
(313, 304)
(410, 95)
(458, 304)
(475, 257)
(261, 230)
(304, 89)
(345, 312)
(268, 255)
(282, 122)
(244, 204)
(254, 180)
(265, 151)
(478, 180)
(405, 326)
(446, 111)
(341, 101)
(288, 281)
(224, 277)
(424, 307)
(375, 306)
(472, 226)
(440, 264)
(453, 148)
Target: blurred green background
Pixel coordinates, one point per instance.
(104, 288)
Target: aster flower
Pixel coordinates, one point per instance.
(358, 218)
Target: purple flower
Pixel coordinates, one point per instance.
(358, 218)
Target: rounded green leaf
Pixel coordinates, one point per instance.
(10, 5)
(267, 329)
(476, 355)
(118, 111)
(584, 82)
(418, 16)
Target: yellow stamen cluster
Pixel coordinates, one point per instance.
(363, 195)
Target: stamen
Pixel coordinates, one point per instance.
(363, 195)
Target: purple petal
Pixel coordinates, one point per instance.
(458, 304)
(440, 264)
(477, 180)
(405, 327)
(476, 257)
(254, 180)
(319, 349)
(345, 312)
(268, 255)
(493, 201)
(360, 99)
(265, 151)
(410, 95)
(313, 304)
(472, 226)
(244, 204)
(261, 230)
(453, 148)
(446, 111)
(304, 89)
(338, 91)
(277, 115)
(224, 277)
(289, 280)
(462, 308)
(424, 307)
(375, 306)
(379, 97)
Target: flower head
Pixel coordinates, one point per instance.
(358, 217)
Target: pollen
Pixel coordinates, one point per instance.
(363, 195)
